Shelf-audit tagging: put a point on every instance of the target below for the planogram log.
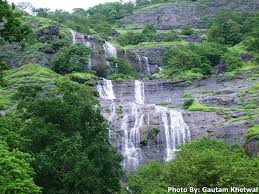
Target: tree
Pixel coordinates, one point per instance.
(69, 140)
(122, 68)
(3, 67)
(16, 172)
(11, 27)
(226, 29)
(70, 59)
(201, 163)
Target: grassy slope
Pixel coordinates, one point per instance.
(33, 74)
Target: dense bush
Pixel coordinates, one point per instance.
(120, 69)
(201, 163)
(15, 171)
(14, 29)
(231, 61)
(67, 136)
(188, 100)
(196, 58)
(187, 31)
(71, 59)
(148, 34)
(132, 38)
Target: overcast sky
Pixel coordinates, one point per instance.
(67, 5)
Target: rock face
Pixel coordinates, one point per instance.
(49, 33)
(48, 41)
(147, 121)
(177, 14)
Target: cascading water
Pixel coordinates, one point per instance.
(73, 36)
(135, 123)
(131, 138)
(176, 130)
(139, 92)
(106, 93)
(147, 67)
(109, 50)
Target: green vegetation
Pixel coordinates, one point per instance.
(52, 124)
(82, 77)
(201, 162)
(16, 172)
(71, 59)
(148, 34)
(252, 133)
(187, 31)
(120, 70)
(188, 100)
(14, 29)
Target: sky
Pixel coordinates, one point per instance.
(67, 5)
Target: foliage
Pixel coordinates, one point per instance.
(187, 31)
(171, 36)
(104, 30)
(225, 29)
(120, 69)
(3, 66)
(131, 38)
(188, 100)
(71, 59)
(16, 172)
(85, 77)
(61, 127)
(201, 163)
(148, 34)
(232, 61)
(196, 60)
(252, 133)
(231, 28)
(11, 27)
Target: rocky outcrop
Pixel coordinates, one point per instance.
(227, 122)
(177, 14)
(49, 33)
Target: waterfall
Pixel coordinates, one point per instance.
(147, 65)
(106, 90)
(176, 130)
(144, 67)
(139, 92)
(109, 50)
(131, 138)
(73, 36)
(137, 119)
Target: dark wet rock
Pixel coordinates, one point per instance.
(252, 147)
(246, 56)
(220, 68)
(49, 33)
(193, 38)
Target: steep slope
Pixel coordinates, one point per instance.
(177, 14)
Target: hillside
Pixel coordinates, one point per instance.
(127, 98)
(177, 14)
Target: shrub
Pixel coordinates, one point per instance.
(188, 100)
(232, 61)
(226, 29)
(71, 59)
(200, 163)
(120, 69)
(187, 31)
